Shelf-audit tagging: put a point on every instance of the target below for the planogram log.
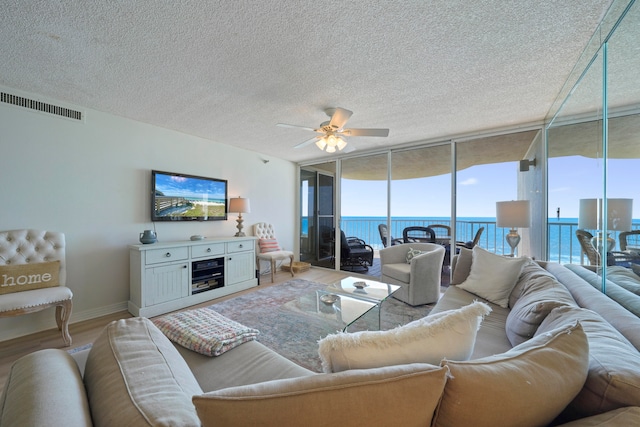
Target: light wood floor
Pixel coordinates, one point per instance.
(86, 332)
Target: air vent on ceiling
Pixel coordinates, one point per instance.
(40, 106)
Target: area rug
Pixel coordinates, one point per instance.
(278, 312)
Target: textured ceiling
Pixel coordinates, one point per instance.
(228, 71)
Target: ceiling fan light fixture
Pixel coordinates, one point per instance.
(341, 143)
(331, 149)
(321, 143)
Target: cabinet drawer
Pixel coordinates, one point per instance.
(240, 246)
(156, 256)
(207, 250)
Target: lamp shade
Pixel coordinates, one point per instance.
(239, 205)
(514, 214)
(619, 214)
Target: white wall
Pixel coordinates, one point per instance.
(91, 180)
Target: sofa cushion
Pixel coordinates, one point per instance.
(44, 388)
(463, 266)
(492, 276)
(629, 416)
(134, 376)
(403, 395)
(450, 334)
(249, 363)
(613, 380)
(526, 386)
(536, 293)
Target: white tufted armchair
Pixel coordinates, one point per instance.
(34, 246)
(265, 232)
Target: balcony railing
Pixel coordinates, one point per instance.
(563, 244)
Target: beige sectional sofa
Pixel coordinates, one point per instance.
(543, 357)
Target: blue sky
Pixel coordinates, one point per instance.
(479, 187)
(190, 187)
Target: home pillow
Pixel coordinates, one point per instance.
(204, 331)
(134, 376)
(450, 334)
(359, 397)
(268, 245)
(492, 276)
(528, 385)
(26, 277)
(413, 253)
(613, 380)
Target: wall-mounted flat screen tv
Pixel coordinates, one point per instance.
(180, 197)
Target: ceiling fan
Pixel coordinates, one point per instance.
(332, 132)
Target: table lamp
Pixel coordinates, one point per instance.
(513, 214)
(239, 205)
(619, 216)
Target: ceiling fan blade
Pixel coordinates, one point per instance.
(339, 118)
(365, 132)
(284, 125)
(307, 142)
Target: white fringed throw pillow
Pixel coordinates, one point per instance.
(449, 334)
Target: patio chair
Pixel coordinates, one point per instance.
(471, 243)
(623, 239)
(443, 237)
(420, 278)
(384, 234)
(592, 254)
(418, 234)
(354, 252)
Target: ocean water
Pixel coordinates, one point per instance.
(563, 245)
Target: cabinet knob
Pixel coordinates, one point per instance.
(241, 246)
(208, 249)
(168, 255)
(184, 266)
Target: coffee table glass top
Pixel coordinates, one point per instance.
(370, 290)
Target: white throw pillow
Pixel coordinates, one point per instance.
(449, 334)
(492, 276)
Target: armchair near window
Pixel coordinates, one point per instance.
(419, 279)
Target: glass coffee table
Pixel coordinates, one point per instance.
(338, 306)
(365, 290)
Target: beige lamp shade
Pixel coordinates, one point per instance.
(513, 214)
(239, 205)
(619, 214)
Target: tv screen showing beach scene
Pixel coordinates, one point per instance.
(180, 197)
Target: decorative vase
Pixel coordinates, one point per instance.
(149, 236)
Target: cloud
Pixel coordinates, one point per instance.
(470, 181)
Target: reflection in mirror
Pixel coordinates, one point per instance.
(488, 171)
(593, 147)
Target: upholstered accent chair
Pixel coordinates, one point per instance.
(269, 249)
(18, 247)
(420, 278)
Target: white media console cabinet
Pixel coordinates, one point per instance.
(169, 276)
